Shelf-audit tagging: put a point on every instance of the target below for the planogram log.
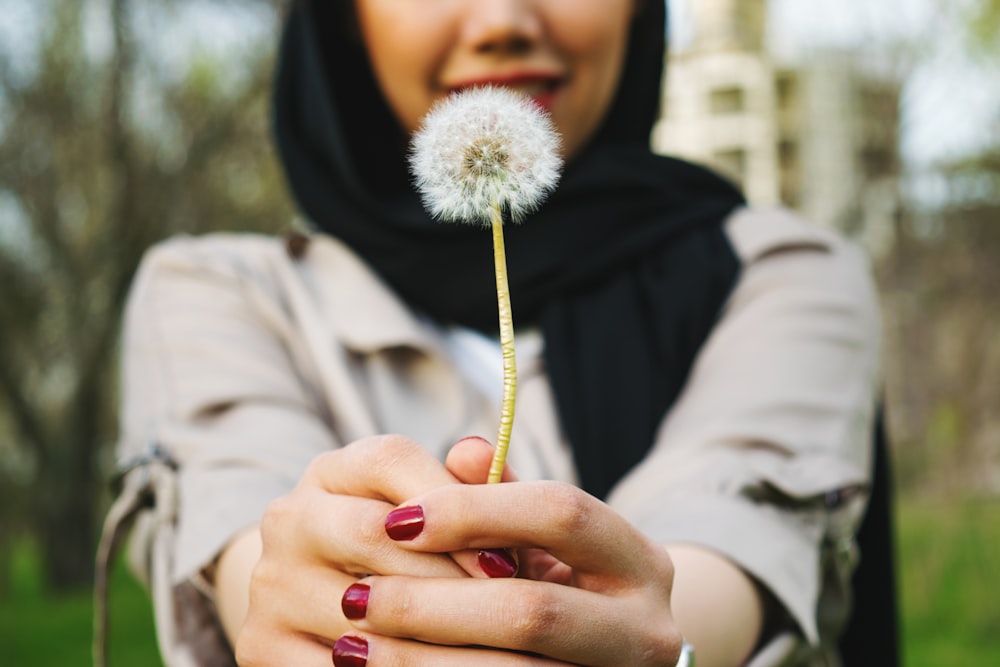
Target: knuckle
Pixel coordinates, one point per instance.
(405, 602)
(266, 636)
(535, 617)
(247, 649)
(666, 571)
(321, 462)
(390, 450)
(660, 568)
(571, 508)
(263, 578)
(277, 517)
(252, 644)
(379, 455)
(246, 653)
(659, 650)
(368, 531)
(658, 642)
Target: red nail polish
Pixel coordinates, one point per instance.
(497, 563)
(405, 523)
(350, 652)
(355, 601)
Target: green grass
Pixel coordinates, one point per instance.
(39, 630)
(949, 570)
(949, 558)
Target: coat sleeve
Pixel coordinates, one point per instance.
(211, 375)
(766, 455)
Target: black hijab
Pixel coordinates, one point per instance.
(625, 268)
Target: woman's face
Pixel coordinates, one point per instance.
(566, 54)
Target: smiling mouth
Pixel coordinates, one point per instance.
(542, 90)
(534, 88)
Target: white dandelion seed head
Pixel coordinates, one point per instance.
(483, 147)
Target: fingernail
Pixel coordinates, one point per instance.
(355, 601)
(405, 523)
(350, 652)
(497, 563)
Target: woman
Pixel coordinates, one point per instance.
(703, 371)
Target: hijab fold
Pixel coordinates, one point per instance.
(625, 268)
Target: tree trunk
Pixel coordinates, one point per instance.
(66, 536)
(68, 484)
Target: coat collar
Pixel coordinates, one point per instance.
(362, 311)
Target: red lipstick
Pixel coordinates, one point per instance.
(542, 87)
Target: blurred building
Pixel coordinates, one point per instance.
(819, 135)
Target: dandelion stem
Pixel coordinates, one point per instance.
(507, 347)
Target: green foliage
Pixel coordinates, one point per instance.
(37, 628)
(948, 575)
(984, 26)
(937, 287)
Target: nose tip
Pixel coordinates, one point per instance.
(511, 45)
(507, 27)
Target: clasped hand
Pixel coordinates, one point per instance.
(385, 557)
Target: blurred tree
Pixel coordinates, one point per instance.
(101, 156)
(939, 283)
(984, 25)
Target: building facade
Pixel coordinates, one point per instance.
(820, 135)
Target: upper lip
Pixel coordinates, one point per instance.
(509, 79)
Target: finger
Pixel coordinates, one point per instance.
(260, 651)
(306, 602)
(470, 458)
(388, 467)
(346, 532)
(307, 598)
(540, 565)
(265, 640)
(378, 651)
(572, 525)
(560, 622)
(405, 523)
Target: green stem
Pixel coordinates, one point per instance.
(507, 348)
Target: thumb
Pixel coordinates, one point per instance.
(469, 460)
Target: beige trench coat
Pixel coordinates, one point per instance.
(242, 363)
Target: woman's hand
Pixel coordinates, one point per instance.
(326, 534)
(597, 590)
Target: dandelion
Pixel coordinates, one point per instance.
(481, 149)
(479, 155)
